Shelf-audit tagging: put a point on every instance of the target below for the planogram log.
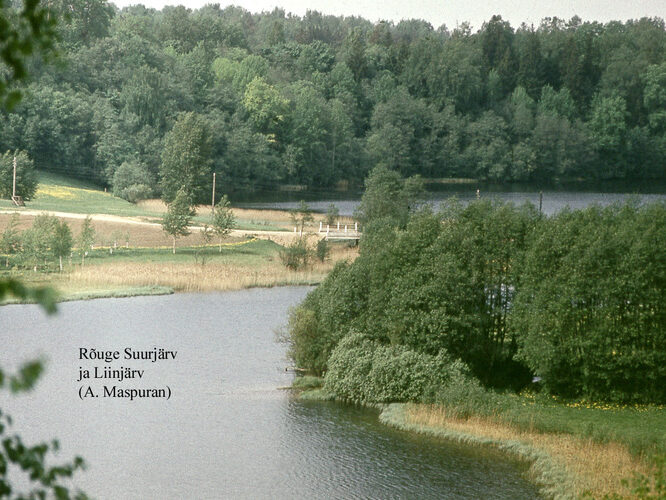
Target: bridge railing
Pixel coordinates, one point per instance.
(340, 231)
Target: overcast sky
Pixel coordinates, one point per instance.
(449, 12)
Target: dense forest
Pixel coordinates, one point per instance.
(272, 98)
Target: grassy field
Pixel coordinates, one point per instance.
(57, 193)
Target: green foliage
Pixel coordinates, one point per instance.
(322, 250)
(133, 182)
(186, 159)
(267, 108)
(590, 308)
(301, 216)
(319, 99)
(307, 345)
(387, 195)
(178, 217)
(332, 214)
(296, 255)
(307, 382)
(576, 299)
(223, 219)
(61, 241)
(86, 238)
(38, 238)
(26, 178)
(44, 296)
(10, 240)
(23, 33)
(363, 371)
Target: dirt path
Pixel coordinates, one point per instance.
(280, 237)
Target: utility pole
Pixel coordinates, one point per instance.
(212, 205)
(540, 201)
(14, 182)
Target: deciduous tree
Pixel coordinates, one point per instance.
(178, 217)
(186, 159)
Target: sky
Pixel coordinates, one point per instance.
(449, 12)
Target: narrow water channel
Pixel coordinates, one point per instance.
(228, 430)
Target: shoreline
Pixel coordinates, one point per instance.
(562, 465)
(149, 290)
(550, 477)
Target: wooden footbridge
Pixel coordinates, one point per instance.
(340, 232)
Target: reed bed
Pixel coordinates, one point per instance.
(211, 276)
(185, 277)
(595, 468)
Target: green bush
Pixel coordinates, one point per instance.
(364, 371)
(136, 193)
(132, 181)
(307, 346)
(295, 256)
(322, 250)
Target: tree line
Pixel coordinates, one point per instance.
(498, 294)
(273, 98)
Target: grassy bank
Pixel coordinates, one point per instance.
(571, 458)
(141, 271)
(576, 450)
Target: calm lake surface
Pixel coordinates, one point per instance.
(228, 431)
(555, 198)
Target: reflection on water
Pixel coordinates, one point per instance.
(228, 431)
(554, 198)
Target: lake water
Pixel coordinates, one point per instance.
(555, 198)
(227, 431)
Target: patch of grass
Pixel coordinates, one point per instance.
(115, 293)
(316, 395)
(61, 194)
(307, 382)
(52, 178)
(641, 428)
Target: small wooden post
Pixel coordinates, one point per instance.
(540, 201)
(320, 225)
(212, 205)
(14, 181)
(338, 225)
(356, 227)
